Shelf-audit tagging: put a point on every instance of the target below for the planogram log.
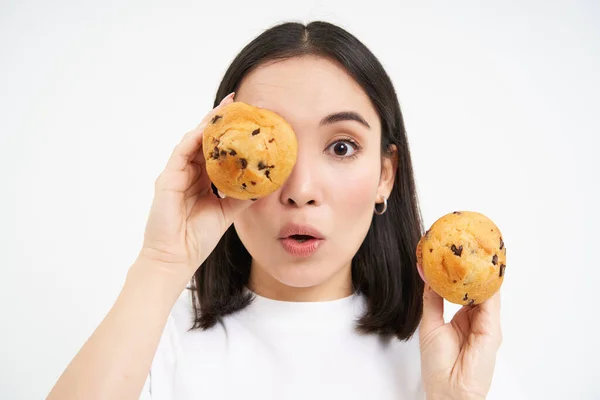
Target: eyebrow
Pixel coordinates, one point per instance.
(344, 116)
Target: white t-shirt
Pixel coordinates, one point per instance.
(286, 350)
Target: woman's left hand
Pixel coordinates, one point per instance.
(458, 358)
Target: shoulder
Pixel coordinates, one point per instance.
(179, 321)
(181, 317)
(179, 349)
(405, 355)
(179, 338)
(161, 378)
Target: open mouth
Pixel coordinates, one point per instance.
(301, 238)
(300, 241)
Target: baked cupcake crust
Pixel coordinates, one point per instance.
(463, 257)
(249, 151)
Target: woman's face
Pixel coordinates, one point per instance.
(338, 177)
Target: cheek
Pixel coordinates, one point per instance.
(352, 207)
(255, 222)
(356, 192)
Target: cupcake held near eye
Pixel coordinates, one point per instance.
(463, 257)
(250, 152)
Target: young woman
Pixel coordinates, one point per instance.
(219, 305)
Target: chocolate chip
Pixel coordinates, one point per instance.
(243, 185)
(267, 173)
(262, 165)
(253, 183)
(456, 251)
(466, 297)
(223, 153)
(253, 199)
(457, 212)
(502, 267)
(215, 154)
(244, 163)
(431, 250)
(495, 259)
(216, 118)
(232, 152)
(271, 140)
(454, 281)
(255, 132)
(501, 244)
(471, 302)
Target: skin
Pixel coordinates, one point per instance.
(335, 195)
(332, 192)
(458, 357)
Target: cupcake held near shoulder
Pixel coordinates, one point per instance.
(250, 152)
(463, 257)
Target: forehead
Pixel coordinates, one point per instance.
(305, 89)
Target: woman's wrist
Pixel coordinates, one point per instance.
(444, 396)
(162, 281)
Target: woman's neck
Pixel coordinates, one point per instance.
(336, 287)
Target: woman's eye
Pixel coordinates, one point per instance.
(343, 148)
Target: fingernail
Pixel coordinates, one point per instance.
(420, 269)
(216, 191)
(229, 96)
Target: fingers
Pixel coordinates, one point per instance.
(420, 269)
(191, 144)
(487, 319)
(433, 311)
(492, 305)
(433, 307)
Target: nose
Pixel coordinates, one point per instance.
(302, 186)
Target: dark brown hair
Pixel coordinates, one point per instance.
(384, 268)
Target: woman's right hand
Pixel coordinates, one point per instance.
(185, 224)
(186, 220)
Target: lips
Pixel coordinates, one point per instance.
(300, 240)
(299, 232)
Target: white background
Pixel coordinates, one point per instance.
(501, 105)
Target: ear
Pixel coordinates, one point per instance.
(389, 165)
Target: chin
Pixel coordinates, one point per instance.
(303, 275)
(306, 274)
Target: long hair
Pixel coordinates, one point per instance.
(384, 268)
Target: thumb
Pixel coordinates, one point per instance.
(433, 311)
